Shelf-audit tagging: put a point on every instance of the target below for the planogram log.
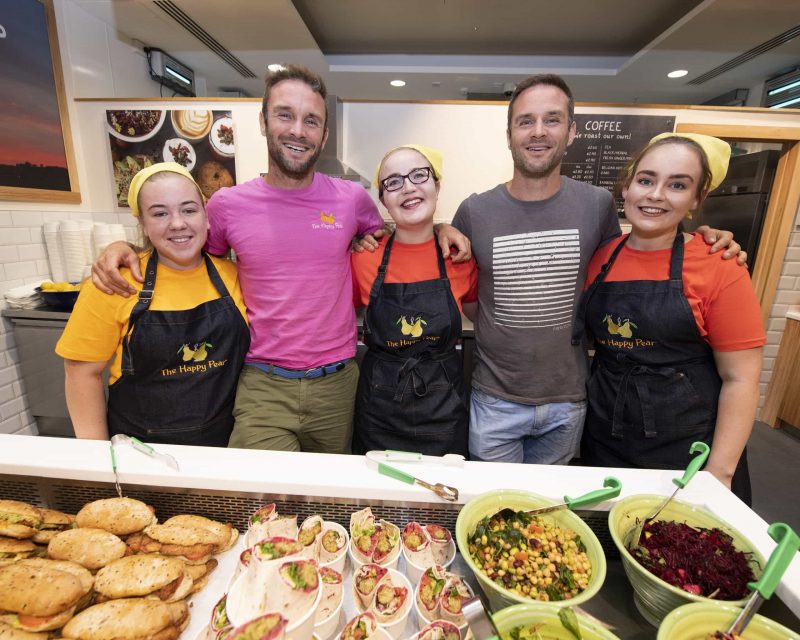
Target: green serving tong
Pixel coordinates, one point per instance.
(443, 491)
(694, 466)
(612, 487)
(779, 560)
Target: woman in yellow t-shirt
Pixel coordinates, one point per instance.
(174, 352)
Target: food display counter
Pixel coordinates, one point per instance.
(229, 484)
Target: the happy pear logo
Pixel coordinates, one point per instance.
(620, 327)
(327, 217)
(413, 328)
(196, 353)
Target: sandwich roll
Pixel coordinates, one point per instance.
(19, 519)
(150, 575)
(439, 630)
(81, 573)
(12, 550)
(52, 522)
(10, 633)
(225, 534)
(194, 546)
(271, 626)
(129, 619)
(120, 516)
(92, 548)
(37, 598)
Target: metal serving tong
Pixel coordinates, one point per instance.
(141, 447)
(374, 461)
(694, 466)
(612, 487)
(479, 620)
(780, 558)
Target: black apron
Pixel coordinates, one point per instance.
(654, 386)
(411, 388)
(179, 369)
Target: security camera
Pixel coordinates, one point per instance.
(508, 89)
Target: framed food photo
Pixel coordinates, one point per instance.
(203, 141)
(37, 162)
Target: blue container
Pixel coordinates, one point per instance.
(61, 300)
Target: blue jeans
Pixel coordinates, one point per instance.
(503, 431)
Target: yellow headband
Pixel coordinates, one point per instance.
(140, 178)
(718, 153)
(433, 157)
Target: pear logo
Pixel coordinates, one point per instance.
(326, 217)
(195, 353)
(412, 328)
(620, 327)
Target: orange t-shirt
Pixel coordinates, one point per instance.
(412, 263)
(719, 291)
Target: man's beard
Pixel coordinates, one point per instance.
(540, 169)
(296, 170)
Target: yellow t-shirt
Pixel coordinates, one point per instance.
(98, 323)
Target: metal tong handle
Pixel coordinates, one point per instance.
(146, 449)
(114, 469)
(443, 491)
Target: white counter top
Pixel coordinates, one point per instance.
(347, 477)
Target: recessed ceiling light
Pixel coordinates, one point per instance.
(678, 73)
(275, 67)
(398, 83)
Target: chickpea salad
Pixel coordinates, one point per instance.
(531, 556)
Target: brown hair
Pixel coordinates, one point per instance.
(549, 79)
(294, 72)
(626, 177)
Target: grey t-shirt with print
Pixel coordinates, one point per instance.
(532, 259)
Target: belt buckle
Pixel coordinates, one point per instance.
(311, 370)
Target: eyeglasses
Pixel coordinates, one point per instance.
(419, 175)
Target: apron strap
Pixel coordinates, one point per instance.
(408, 374)
(215, 278)
(676, 263)
(378, 282)
(643, 392)
(145, 297)
(579, 327)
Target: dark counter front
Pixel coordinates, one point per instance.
(36, 332)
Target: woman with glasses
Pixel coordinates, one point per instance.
(411, 392)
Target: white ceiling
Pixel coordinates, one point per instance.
(608, 50)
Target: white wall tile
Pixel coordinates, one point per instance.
(21, 269)
(31, 252)
(26, 218)
(8, 253)
(15, 236)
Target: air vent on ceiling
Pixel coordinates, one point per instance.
(186, 21)
(777, 41)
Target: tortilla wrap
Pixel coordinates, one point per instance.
(439, 630)
(296, 590)
(430, 588)
(271, 526)
(417, 545)
(453, 595)
(332, 593)
(365, 583)
(362, 626)
(332, 544)
(388, 543)
(440, 542)
(309, 534)
(390, 602)
(271, 626)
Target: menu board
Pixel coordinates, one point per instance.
(605, 142)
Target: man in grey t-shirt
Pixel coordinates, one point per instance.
(533, 238)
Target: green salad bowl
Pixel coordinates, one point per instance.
(551, 628)
(654, 597)
(490, 503)
(695, 621)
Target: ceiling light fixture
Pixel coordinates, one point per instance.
(275, 67)
(398, 83)
(678, 73)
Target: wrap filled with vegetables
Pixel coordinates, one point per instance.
(387, 545)
(220, 624)
(364, 534)
(361, 627)
(267, 523)
(453, 595)
(332, 593)
(365, 583)
(245, 557)
(308, 536)
(390, 602)
(294, 593)
(417, 545)
(267, 557)
(440, 542)
(331, 545)
(439, 630)
(431, 585)
(271, 626)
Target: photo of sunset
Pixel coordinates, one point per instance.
(32, 151)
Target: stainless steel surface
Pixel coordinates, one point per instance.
(330, 159)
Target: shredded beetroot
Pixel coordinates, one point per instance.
(700, 561)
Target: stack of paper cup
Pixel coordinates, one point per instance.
(85, 227)
(101, 237)
(55, 255)
(117, 232)
(73, 247)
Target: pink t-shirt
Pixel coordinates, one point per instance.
(293, 252)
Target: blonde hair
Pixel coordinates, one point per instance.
(143, 241)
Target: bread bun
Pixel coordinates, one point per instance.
(225, 535)
(81, 573)
(120, 516)
(8, 632)
(38, 591)
(128, 619)
(91, 548)
(142, 575)
(52, 522)
(18, 519)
